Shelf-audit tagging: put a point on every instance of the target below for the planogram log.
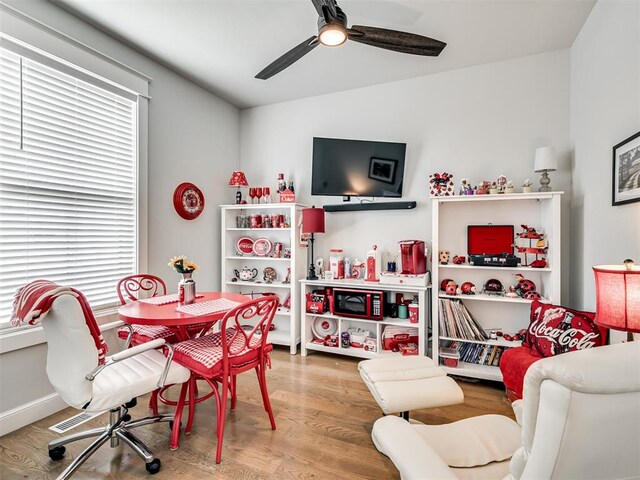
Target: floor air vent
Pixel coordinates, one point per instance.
(73, 422)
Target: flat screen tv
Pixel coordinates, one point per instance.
(357, 168)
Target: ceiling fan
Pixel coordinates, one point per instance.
(333, 32)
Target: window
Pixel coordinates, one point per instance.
(68, 182)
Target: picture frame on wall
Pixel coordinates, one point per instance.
(382, 169)
(626, 171)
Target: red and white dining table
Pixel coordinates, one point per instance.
(143, 313)
(185, 325)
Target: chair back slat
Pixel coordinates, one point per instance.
(250, 324)
(130, 287)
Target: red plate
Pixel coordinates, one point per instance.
(262, 247)
(244, 246)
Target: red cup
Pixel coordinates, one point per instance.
(413, 313)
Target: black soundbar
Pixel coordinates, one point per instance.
(352, 207)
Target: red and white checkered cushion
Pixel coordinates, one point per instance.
(203, 355)
(146, 333)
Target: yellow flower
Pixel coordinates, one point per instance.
(172, 263)
(190, 266)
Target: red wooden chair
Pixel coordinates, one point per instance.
(219, 358)
(129, 289)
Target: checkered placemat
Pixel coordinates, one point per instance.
(210, 306)
(165, 299)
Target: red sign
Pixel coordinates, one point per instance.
(287, 196)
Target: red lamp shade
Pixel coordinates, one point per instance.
(312, 220)
(238, 179)
(618, 297)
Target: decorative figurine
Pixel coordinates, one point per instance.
(458, 259)
(526, 186)
(288, 277)
(441, 184)
(468, 288)
(464, 185)
(530, 235)
(501, 183)
(269, 275)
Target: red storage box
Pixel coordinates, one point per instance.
(393, 337)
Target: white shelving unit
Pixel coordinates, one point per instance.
(451, 216)
(375, 326)
(287, 321)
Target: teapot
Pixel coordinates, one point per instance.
(246, 274)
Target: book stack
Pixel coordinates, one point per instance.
(478, 353)
(457, 322)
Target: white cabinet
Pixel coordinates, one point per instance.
(288, 268)
(451, 216)
(376, 327)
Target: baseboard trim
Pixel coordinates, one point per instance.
(30, 412)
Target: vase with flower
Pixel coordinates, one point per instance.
(187, 285)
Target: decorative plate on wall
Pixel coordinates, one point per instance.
(188, 200)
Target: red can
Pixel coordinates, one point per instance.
(256, 220)
(282, 221)
(277, 250)
(275, 220)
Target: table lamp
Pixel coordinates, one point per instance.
(312, 222)
(238, 179)
(618, 297)
(545, 161)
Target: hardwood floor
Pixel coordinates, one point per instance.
(324, 414)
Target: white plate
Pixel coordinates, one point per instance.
(321, 327)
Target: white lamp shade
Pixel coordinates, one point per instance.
(545, 159)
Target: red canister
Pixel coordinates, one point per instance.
(277, 250)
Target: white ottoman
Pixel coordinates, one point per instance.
(400, 384)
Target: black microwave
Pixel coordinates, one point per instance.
(358, 303)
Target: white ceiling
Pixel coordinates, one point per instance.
(222, 44)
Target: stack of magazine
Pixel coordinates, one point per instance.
(479, 353)
(457, 322)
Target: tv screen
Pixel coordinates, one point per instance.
(357, 168)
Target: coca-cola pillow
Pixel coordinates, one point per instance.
(554, 329)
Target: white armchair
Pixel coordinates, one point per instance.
(580, 420)
(73, 370)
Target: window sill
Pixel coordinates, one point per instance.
(12, 339)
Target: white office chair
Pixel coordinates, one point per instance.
(580, 419)
(73, 370)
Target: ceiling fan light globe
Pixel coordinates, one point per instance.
(332, 35)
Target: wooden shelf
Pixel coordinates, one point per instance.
(255, 257)
(500, 342)
(261, 284)
(402, 322)
(507, 269)
(237, 229)
(476, 371)
(483, 297)
(497, 198)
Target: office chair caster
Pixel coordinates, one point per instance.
(57, 453)
(154, 466)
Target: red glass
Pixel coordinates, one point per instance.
(266, 191)
(252, 193)
(258, 193)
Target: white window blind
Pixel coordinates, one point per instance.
(68, 159)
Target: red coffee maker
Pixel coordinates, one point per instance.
(412, 256)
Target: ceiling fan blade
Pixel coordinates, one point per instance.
(329, 6)
(397, 41)
(289, 58)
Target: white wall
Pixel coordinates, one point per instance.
(476, 123)
(605, 109)
(193, 136)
